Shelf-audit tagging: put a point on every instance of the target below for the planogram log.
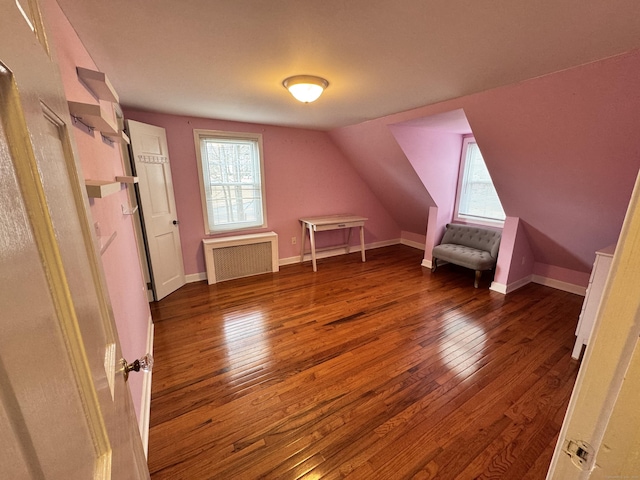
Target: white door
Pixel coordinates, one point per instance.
(65, 409)
(151, 159)
(602, 424)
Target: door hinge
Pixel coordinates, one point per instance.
(149, 286)
(581, 453)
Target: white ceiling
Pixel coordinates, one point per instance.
(226, 59)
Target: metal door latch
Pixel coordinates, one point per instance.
(581, 453)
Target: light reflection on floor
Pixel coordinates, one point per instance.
(246, 341)
(461, 344)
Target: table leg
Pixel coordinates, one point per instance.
(303, 238)
(349, 240)
(362, 242)
(313, 249)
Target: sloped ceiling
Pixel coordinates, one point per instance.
(562, 148)
(563, 151)
(227, 59)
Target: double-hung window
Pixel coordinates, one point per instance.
(231, 180)
(477, 200)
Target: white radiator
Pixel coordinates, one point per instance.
(240, 256)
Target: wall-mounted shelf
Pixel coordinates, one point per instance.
(98, 83)
(118, 136)
(129, 179)
(101, 188)
(93, 116)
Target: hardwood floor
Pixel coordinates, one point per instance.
(376, 370)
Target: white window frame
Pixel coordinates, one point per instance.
(209, 227)
(462, 218)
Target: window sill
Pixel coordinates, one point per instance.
(479, 221)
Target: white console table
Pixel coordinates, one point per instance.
(593, 297)
(329, 222)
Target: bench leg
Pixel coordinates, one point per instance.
(434, 264)
(478, 275)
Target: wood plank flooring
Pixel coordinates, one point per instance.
(376, 370)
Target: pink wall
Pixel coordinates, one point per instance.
(103, 161)
(563, 153)
(433, 146)
(414, 238)
(562, 150)
(561, 274)
(435, 156)
(373, 151)
(435, 230)
(305, 175)
(522, 257)
(515, 260)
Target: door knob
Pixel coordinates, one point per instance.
(145, 363)
(175, 222)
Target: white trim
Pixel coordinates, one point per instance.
(604, 396)
(411, 243)
(145, 407)
(428, 262)
(334, 252)
(547, 282)
(498, 287)
(211, 244)
(386, 243)
(256, 139)
(504, 289)
(519, 283)
(559, 285)
(195, 277)
(495, 286)
(462, 176)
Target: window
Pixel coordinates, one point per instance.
(231, 180)
(477, 200)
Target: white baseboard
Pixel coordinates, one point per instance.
(411, 243)
(427, 263)
(334, 252)
(195, 277)
(519, 283)
(386, 243)
(559, 285)
(145, 408)
(504, 289)
(498, 287)
(547, 282)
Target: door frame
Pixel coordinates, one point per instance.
(138, 220)
(57, 303)
(140, 226)
(608, 355)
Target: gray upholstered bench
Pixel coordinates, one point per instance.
(468, 246)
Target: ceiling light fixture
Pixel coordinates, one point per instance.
(305, 88)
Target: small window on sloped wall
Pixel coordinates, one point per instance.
(477, 200)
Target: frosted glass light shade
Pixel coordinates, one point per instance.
(305, 88)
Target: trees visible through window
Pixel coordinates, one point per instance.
(477, 200)
(231, 180)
